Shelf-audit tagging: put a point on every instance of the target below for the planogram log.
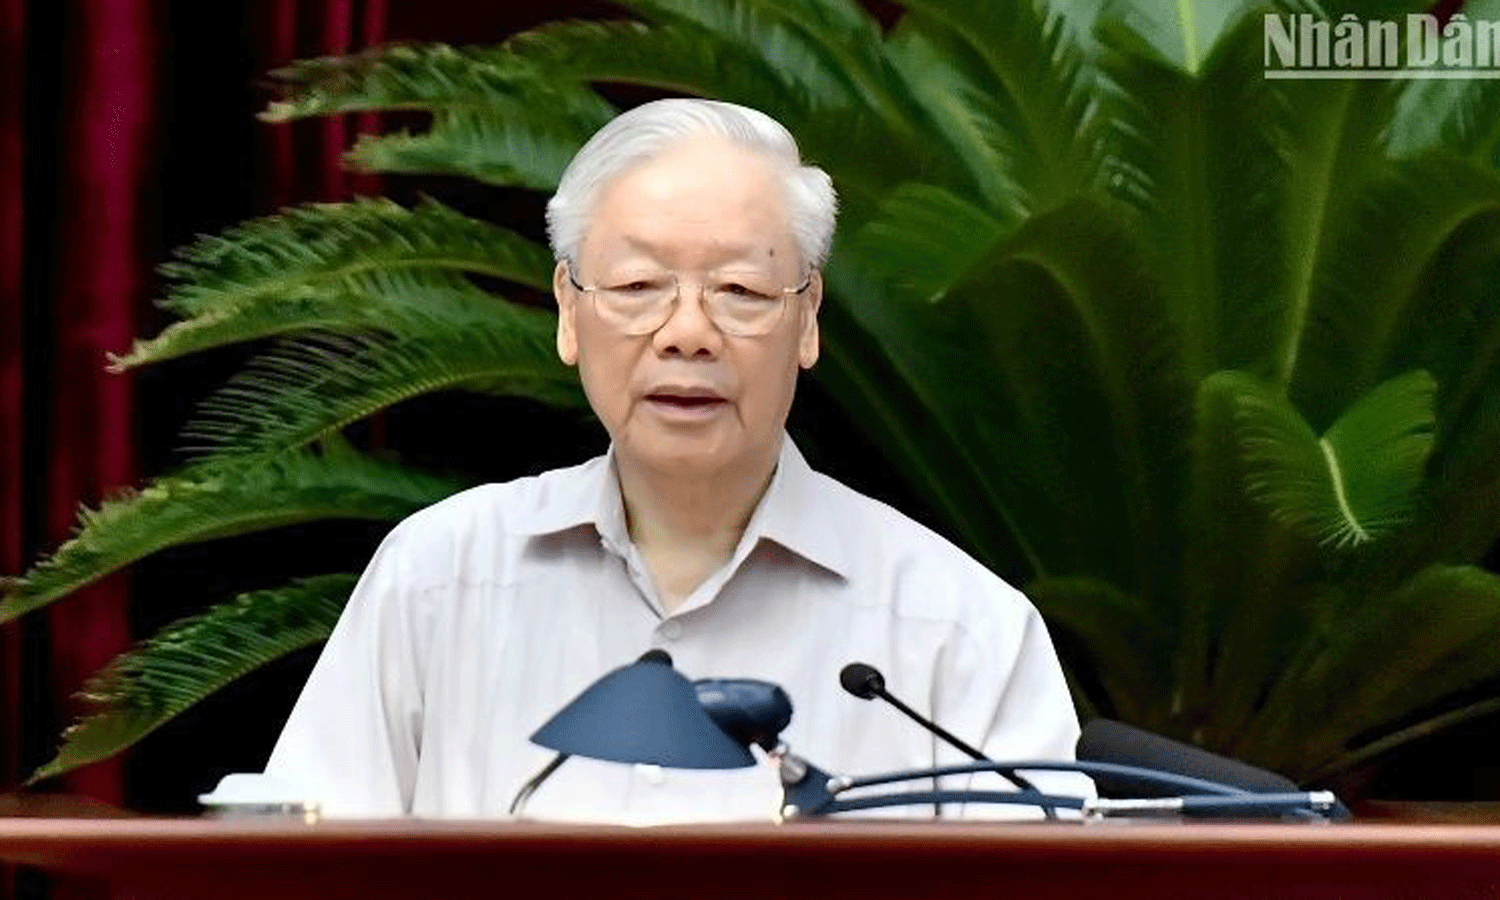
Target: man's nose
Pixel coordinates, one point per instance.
(688, 330)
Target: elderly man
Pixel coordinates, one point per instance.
(689, 238)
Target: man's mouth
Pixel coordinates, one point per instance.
(687, 402)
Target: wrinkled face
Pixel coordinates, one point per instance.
(688, 398)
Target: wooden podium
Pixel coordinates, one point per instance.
(428, 860)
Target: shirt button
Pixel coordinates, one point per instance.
(652, 775)
(671, 630)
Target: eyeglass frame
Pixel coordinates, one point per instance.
(671, 308)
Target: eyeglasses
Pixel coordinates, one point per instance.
(745, 304)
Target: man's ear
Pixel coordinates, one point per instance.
(567, 307)
(807, 341)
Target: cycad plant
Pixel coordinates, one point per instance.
(1209, 362)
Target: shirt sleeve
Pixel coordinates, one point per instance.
(352, 741)
(1000, 679)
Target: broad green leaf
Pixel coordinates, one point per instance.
(1357, 481)
(190, 659)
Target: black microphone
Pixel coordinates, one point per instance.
(865, 682)
(1104, 740)
(654, 655)
(750, 711)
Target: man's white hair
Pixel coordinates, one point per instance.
(653, 128)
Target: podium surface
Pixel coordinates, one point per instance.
(189, 858)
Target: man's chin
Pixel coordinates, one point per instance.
(686, 454)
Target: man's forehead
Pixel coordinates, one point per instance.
(697, 170)
(707, 194)
(751, 248)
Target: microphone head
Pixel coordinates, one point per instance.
(660, 657)
(1104, 740)
(861, 680)
(750, 711)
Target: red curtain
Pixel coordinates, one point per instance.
(82, 102)
(12, 83)
(102, 251)
(302, 159)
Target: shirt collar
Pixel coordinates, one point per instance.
(792, 512)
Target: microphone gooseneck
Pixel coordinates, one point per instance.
(865, 682)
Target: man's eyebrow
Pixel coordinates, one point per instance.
(734, 253)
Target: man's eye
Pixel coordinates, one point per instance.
(638, 286)
(741, 290)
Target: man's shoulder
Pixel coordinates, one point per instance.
(924, 574)
(505, 507)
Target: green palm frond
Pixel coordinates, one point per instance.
(206, 502)
(951, 236)
(377, 299)
(1374, 315)
(1457, 115)
(489, 147)
(1201, 159)
(1181, 32)
(838, 37)
(429, 77)
(1460, 115)
(311, 388)
(326, 243)
(1241, 580)
(191, 659)
(1334, 155)
(1408, 649)
(496, 116)
(1051, 336)
(1120, 636)
(785, 47)
(681, 54)
(1033, 82)
(1356, 482)
(952, 87)
(676, 56)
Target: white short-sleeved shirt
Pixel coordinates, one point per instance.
(481, 616)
